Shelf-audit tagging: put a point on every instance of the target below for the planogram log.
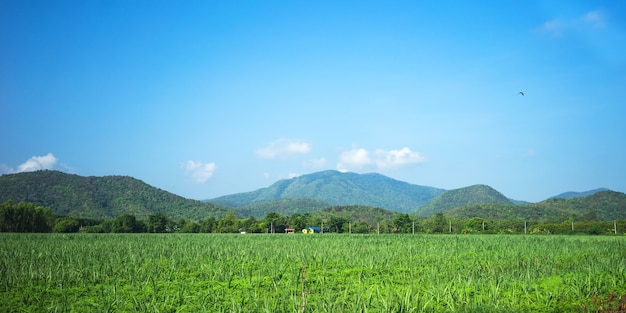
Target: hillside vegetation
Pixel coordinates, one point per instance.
(110, 197)
(100, 197)
(337, 189)
(281, 206)
(476, 194)
(604, 206)
(575, 194)
(600, 206)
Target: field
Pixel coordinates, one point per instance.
(309, 273)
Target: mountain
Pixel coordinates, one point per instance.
(603, 206)
(100, 197)
(476, 194)
(496, 211)
(281, 206)
(338, 188)
(574, 194)
(357, 213)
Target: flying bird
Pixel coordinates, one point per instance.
(520, 93)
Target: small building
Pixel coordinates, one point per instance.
(289, 230)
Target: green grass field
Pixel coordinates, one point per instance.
(309, 273)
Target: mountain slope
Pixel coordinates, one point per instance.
(604, 205)
(476, 194)
(574, 194)
(100, 197)
(281, 206)
(337, 188)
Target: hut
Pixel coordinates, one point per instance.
(289, 230)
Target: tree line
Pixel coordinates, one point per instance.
(29, 217)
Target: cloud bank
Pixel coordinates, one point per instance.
(35, 163)
(199, 172)
(282, 148)
(360, 159)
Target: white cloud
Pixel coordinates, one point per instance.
(292, 175)
(360, 159)
(35, 163)
(558, 27)
(283, 148)
(553, 27)
(396, 158)
(593, 18)
(200, 172)
(354, 159)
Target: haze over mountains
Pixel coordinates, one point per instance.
(111, 196)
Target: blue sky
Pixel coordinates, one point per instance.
(208, 98)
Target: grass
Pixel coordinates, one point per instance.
(308, 273)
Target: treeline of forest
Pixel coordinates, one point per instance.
(29, 217)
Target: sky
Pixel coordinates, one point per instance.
(210, 98)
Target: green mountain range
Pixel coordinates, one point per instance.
(603, 206)
(575, 194)
(100, 197)
(476, 194)
(337, 189)
(281, 206)
(365, 197)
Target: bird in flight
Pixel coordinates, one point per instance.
(520, 93)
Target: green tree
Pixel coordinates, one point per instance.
(275, 222)
(66, 225)
(157, 223)
(402, 224)
(336, 224)
(360, 227)
(190, 227)
(208, 225)
(251, 225)
(25, 217)
(127, 224)
(228, 224)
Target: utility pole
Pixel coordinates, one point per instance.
(524, 227)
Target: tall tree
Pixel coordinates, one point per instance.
(157, 223)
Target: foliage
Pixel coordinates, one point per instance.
(25, 218)
(573, 194)
(353, 213)
(339, 189)
(476, 194)
(282, 206)
(343, 273)
(66, 225)
(604, 205)
(100, 197)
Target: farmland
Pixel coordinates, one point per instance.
(309, 273)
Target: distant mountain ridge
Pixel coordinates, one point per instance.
(339, 188)
(112, 196)
(100, 197)
(476, 194)
(574, 194)
(603, 205)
